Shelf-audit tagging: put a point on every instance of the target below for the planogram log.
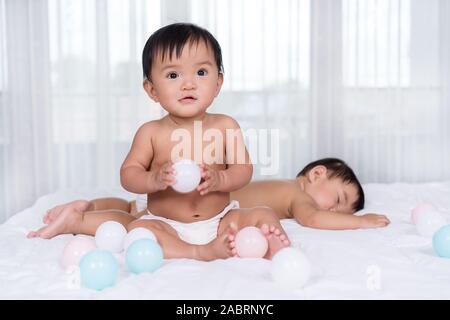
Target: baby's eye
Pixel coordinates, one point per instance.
(202, 72)
(172, 75)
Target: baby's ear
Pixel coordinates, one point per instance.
(219, 83)
(317, 173)
(150, 89)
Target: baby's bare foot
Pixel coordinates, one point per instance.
(64, 222)
(51, 214)
(220, 248)
(276, 239)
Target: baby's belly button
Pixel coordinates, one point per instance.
(197, 216)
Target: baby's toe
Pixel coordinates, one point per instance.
(265, 229)
(32, 234)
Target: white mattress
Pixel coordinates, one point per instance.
(344, 263)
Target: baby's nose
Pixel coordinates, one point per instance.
(188, 84)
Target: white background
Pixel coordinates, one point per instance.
(363, 80)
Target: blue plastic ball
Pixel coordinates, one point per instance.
(144, 255)
(98, 270)
(441, 242)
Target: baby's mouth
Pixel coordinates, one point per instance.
(188, 99)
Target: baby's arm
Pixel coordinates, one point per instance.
(307, 214)
(239, 168)
(134, 176)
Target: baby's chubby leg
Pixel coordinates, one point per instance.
(72, 221)
(99, 204)
(51, 214)
(109, 203)
(261, 217)
(119, 204)
(173, 247)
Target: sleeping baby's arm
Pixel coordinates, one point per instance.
(307, 214)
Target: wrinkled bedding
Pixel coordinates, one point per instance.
(388, 263)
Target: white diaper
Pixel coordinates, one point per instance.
(200, 232)
(141, 202)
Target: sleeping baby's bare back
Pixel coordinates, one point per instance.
(276, 194)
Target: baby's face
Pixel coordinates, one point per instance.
(333, 194)
(186, 86)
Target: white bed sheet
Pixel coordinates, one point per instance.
(345, 263)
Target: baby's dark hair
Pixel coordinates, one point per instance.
(172, 39)
(336, 168)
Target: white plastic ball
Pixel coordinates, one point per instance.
(110, 235)
(291, 268)
(429, 221)
(136, 234)
(187, 175)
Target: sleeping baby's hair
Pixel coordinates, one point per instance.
(336, 168)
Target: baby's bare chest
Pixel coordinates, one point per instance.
(203, 146)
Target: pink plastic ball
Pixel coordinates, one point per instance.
(420, 208)
(251, 243)
(75, 250)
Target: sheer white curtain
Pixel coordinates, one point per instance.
(364, 80)
(71, 93)
(25, 156)
(267, 58)
(395, 107)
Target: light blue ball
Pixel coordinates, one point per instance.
(144, 255)
(98, 270)
(441, 242)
